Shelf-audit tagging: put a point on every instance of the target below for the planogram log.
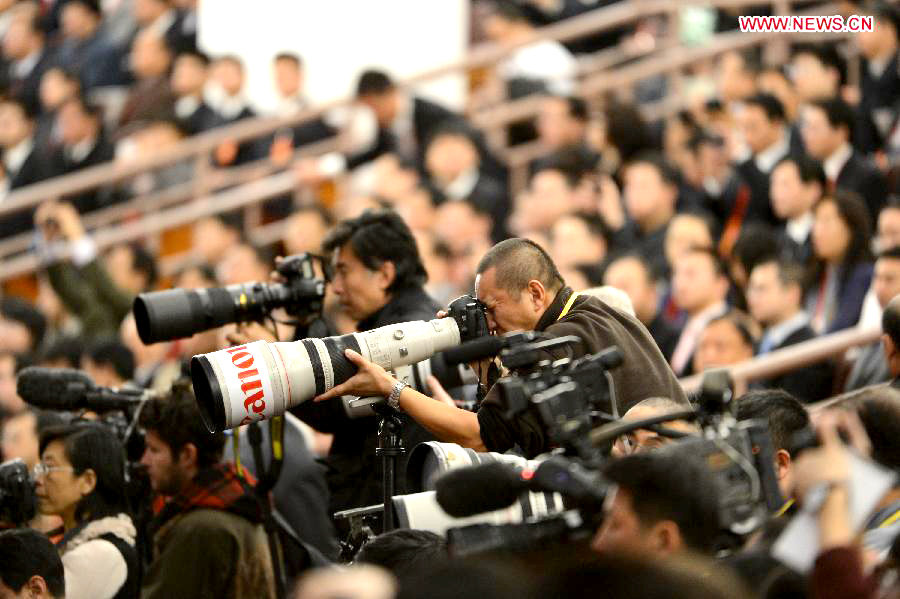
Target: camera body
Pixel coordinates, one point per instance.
(18, 503)
(470, 315)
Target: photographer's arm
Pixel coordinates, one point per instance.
(447, 423)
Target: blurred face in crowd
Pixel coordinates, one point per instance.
(168, 473)
(212, 239)
(573, 243)
(791, 196)
(145, 356)
(77, 21)
(304, 232)
(75, 125)
(288, 78)
(556, 127)
(229, 75)
(147, 11)
(506, 311)
(10, 402)
(776, 84)
(649, 200)
(888, 228)
(759, 132)
(770, 301)
(60, 489)
(14, 336)
(646, 440)
(721, 344)
(102, 374)
(19, 40)
(19, 439)
(548, 198)
(56, 88)
(437, 264)
(149, 56)
(813, 79)
(886, 280)
(361, 291)
(881, 41)
(462, 227)
(385, 105)
(686, 231)
(735, 82)
(188, 75)
(629, 275)
(830, 234)
(819, 137)
(695, 283)
(241, 264)
(623, 532)
(449, 156)
(416, 209)
(119, 262)
(14, 125)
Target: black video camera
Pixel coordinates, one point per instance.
(180, 313)
(18, 503)
(564, 393)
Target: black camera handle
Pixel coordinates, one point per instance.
(608, 432)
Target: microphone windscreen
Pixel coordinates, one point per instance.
(465, 492)
(471, 351)
(53, 388)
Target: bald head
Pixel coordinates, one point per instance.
(517, 262)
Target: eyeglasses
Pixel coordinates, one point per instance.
(42, 469)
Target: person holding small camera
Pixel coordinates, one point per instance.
(522, 290)
(81, 478)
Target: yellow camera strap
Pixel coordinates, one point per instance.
(568, 305)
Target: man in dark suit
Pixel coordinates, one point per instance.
(84, 49)
(25, 49)
(870, 366)
(763, 124)
(798, 182)
(879, 78)
(775, 296)
(188, 78)
(455, 172)
(22, 161)
(230, 105)
(84, 144)
(827, 130)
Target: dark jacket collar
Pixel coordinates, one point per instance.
(400, 303)
(554, 310)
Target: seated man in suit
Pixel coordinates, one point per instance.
(765, 132)
(798, 182)
(189, 75)
(827, 130)
(455, 171)
(84, 144)
(28, 56)
(22, 161)
(699, 287)
(870, 367)
(775, 297)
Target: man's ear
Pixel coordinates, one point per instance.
(37, 587)
(538, 293)
(387, 272)
(665, 537)
(187, 456)
(782, 463)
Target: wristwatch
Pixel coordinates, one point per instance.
(393, 399)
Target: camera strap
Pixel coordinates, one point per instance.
(568, 305)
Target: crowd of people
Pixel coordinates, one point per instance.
(764, 214)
